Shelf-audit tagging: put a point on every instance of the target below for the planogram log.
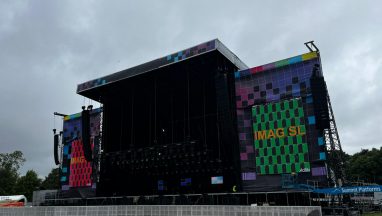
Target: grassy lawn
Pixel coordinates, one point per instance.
(374, 214)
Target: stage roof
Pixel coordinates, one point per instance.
(215, 45)
(277, 64)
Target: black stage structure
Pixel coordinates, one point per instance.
(169, 120)
(180, 130)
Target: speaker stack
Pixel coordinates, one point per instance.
(320, 99)
(56, 160)
(86, 145)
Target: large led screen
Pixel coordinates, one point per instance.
(80, 169)
(280, 138)
(75, 170)
(275, 83)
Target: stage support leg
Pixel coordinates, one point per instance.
(310, 200)
(287, 198)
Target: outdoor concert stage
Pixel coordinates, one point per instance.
(199, 121)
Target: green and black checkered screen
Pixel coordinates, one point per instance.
(280, 137)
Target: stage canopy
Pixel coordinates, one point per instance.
(91, 89)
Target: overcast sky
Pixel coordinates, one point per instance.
(48, 47)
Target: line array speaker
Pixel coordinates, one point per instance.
(320, 99)
(56, 149)
(86, 145)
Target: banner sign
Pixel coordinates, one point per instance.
(350, 190)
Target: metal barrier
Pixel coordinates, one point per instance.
(168, 210)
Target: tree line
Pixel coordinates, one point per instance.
(11, 183)
(363, 166)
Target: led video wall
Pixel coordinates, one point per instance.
(80, 169)
(280, 138)
(274, 85)
(75, 170)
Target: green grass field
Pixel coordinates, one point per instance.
(374, 214)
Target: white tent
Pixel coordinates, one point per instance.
(4, 200)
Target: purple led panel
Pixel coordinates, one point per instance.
(247, 176)
(274, 85)
(319, 171)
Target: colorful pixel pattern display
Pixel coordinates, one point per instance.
(277, 83)
(75, 170)
(278, 64)
(274, 82)
(280, 137)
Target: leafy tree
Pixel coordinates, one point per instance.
(51, 182)
(27, 184)
(365, 166)
(10, 164)
(7, 181)
(12, 161)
